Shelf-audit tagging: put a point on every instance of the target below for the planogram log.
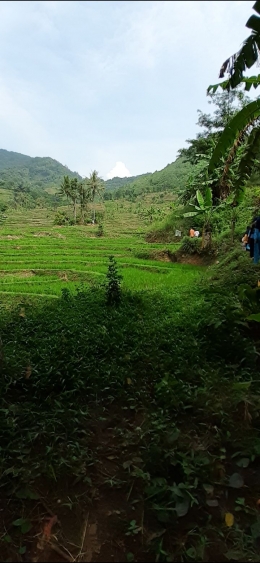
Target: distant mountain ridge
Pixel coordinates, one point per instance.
(36, 172)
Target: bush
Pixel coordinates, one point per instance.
(100, 231)
(113, 284)
(191, 245)
(61, 218)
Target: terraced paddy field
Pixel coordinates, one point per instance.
(38, 258)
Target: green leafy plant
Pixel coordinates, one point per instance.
(191, 245)
(24, 524)
(244, 59)
(100, 231)
(113, 283)
(133, 529)
(206, 209)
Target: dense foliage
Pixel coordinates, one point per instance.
(36, 173)
(116, 182)
(171, 178)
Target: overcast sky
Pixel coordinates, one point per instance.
(112, 86)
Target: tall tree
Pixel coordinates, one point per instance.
(226, 106)
(74, 192)
(84, 197)
(96, 186)
(65, 187)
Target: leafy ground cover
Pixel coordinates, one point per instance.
(128, 433)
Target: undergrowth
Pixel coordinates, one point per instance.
(189, 361)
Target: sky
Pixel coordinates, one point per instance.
(111, 85)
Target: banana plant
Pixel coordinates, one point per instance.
(244, 59)
(242, 132)
(206, 210)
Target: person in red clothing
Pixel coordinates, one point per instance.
(192, 233)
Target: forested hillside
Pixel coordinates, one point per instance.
(173, 177)
(37, 173)
(116, 182)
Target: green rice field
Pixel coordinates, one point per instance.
(40, 259)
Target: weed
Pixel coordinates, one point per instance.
(133, 529)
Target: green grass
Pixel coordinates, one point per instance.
(41, 255)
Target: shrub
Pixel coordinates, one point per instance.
(100, 231)
(61, 218)
(191, 245)
(113, 283)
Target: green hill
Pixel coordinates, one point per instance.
(171, 178)
(34, 173)
(117, 182)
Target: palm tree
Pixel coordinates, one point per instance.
(74, 195)
(96, 186)
(84, 196)
(65, 187)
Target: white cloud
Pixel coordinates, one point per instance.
(119, 170)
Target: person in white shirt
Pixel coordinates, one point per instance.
(197, 234)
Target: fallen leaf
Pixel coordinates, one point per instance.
(182, 507)
(243, 462)
(128, 381)
(212, 503)
(229, 519)
(236, 481)
(22, 313)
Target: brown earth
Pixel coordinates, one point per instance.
(89, 521)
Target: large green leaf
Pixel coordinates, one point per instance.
(256, 6)
(245, 58)
(191, 214)
(208, 197)
(249, 82)
(200, 198)
(254, 23)
(232, 130)
(247, 162)
(255, 317)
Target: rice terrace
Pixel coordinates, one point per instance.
(39, 258)
(129, 306)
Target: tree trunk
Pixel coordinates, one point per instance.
(75, 212)
(94, 215)
(206, 238)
